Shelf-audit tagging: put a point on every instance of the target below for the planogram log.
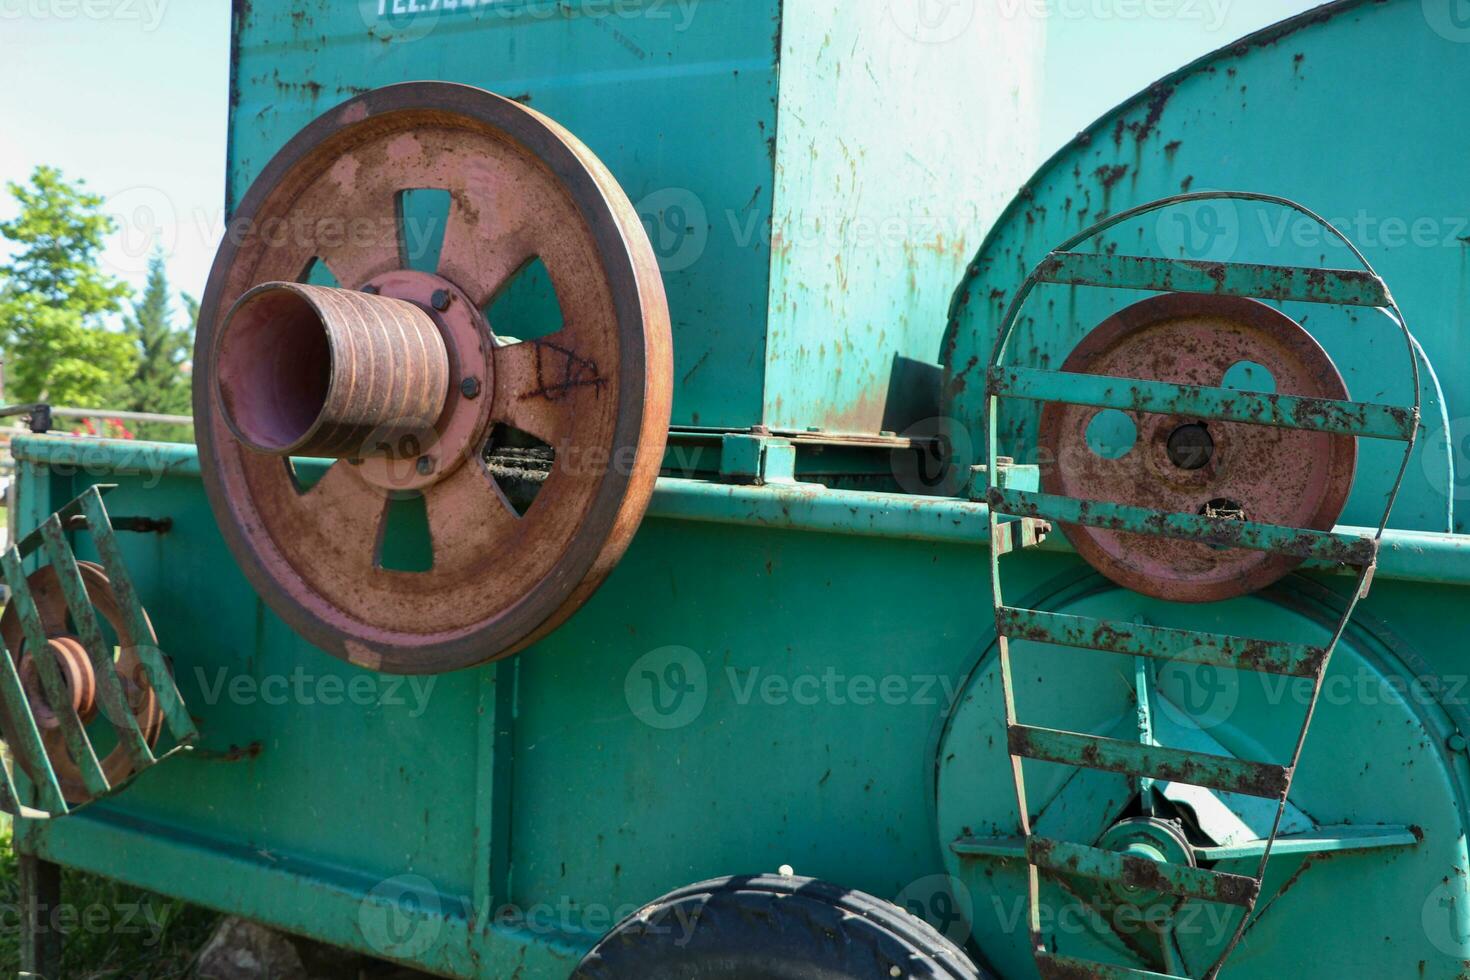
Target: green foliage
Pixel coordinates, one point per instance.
(53, 296)
(159, 383)
(109, 930)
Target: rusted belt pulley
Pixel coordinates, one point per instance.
(1178, 464)
(80, 680)
(396, 377)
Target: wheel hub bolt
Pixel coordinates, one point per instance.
(425, 465)
(470, 388)
(440, 300)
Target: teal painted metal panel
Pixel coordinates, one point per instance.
(677, 97)
(897, 144)
(1279, 113)
(314, 808)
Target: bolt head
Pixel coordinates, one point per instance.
(425, 465)
(470, 388)
(370, 290)
(440, 299)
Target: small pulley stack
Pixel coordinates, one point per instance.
(1218, 490)
(59, 673)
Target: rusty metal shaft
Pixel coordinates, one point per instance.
(318, 371)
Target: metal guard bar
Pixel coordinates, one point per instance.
(1225, 404)
(1340, 287)
(1260, 779)
(1178, 646)
(1329, 546)
(1181, 881)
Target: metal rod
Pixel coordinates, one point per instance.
(107, 413)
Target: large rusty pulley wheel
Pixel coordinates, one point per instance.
(396, 376)
(79, 677)
(1177, 464)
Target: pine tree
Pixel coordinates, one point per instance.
(160, 384)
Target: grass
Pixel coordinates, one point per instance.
(109, 930)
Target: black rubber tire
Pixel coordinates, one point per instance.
(774, 927)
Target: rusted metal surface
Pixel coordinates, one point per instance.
(1141, 874)
(1215, 526)
(76, 669)
(1350, 287)
(46, 590)
(1172, 645)
(598, 391)
(318, 371)
(1276, 476)
(1395, 422)
(1233, 775)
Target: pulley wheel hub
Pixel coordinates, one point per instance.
(397, 378)
(1178, 464)
(1152, 840)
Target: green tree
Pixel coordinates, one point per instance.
(53, 296)
(159, 384)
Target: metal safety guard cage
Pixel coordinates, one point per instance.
(1342, 287)
(28, 749)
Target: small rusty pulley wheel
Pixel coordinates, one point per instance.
(1184, 465)
(79, 676)
(396, 376)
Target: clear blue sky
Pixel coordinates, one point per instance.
(135, 101)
